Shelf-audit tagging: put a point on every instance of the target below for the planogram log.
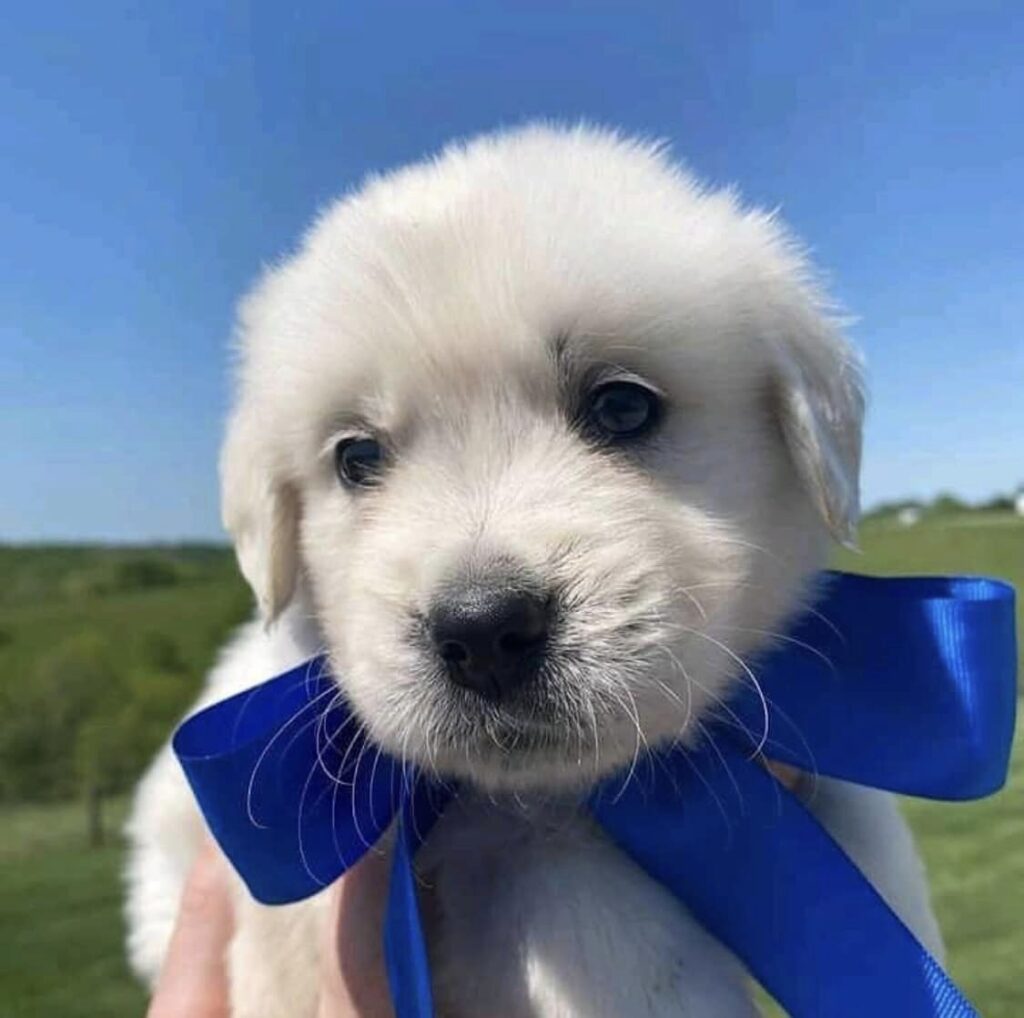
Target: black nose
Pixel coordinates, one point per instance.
(491, 636)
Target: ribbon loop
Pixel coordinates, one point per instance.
(881, 673)
(289, 785)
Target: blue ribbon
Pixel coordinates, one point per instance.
(905, 684)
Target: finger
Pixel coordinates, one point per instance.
(354, 982)
(788, 775)
(193, 980)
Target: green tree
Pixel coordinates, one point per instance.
(121, 733)
(43, 711)
(946, 504)
(998, 503)
(85, 723)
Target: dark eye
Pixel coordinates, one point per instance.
(622, 410)
(359, 461)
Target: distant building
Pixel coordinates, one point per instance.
(909, 515)
(1018, 502)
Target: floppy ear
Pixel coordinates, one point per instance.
(820, 404)
(261, 512)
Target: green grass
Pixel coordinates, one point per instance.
(61, 931)
(60, 918)
(975, 858)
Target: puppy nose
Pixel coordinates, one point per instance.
(491, 636)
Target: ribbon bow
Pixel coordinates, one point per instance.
(903, 684)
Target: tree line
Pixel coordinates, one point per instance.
(100, 654)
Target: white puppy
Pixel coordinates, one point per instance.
(539, 439)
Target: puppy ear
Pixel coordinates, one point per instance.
(261, 512)
(820, 405)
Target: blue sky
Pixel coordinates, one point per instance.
(154, 156)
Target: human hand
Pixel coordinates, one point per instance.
(353, 983)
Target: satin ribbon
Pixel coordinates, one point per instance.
(905, 684)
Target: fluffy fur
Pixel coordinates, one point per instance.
(460, 310)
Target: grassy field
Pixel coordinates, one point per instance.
(49, 594)
(60, 925)
(61, 932)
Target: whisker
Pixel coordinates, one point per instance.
(808, 609)
(266, 749)
(709, 789)
(688, 706)
(709, 737)
(635, 718)
(747, 671)
(826, 660)
(334, 825)
(720, 702)
(373, 801)
(321, 725)
(687, 592)
(363, 750)
(302, 847)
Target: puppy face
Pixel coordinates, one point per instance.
(552, 438)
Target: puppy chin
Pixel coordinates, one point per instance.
(518, 749)
(502, 755)
(560, 767)
(547, 762)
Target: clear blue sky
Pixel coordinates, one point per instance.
(155, 155)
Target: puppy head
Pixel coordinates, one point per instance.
(554, 439)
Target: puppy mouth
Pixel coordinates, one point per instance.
(546, 734)
(525, 751)
(518, 755)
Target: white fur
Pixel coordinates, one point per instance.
(459, 309)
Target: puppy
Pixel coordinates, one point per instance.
(540, 440)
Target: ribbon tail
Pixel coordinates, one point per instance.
(759, 872)
(405, 948)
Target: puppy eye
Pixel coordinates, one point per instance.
(622, 410)
(359, 461)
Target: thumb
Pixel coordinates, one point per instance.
(193, 980)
